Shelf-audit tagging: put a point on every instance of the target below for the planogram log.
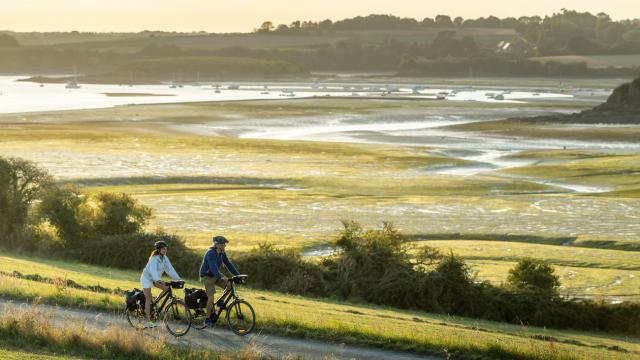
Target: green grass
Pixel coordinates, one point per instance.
(584, 272)
(333, 320)
(620, 172)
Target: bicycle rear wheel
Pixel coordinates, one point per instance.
(198, 316)
(241, 318)
(177, 318)
(136, 319)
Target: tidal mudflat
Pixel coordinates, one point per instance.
(287, 171)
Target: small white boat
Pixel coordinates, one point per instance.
(72, 85)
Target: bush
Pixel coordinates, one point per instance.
(281, 270)
(131, 251)
(78, 218)
(120, 214)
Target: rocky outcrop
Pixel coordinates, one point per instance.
(625, 97)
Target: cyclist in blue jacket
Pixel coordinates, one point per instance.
(210, 274)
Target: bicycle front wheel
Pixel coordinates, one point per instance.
(241, 318)
(177, 318)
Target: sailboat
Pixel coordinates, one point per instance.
(73, 84)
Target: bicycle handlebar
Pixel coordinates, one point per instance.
(239, 279)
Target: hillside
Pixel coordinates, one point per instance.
(349, 323)
(625, 97)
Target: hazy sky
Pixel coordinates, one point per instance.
(244, 15)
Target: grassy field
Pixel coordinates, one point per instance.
(351, 323)
(613, 275)
(595, 61)
(609, 171)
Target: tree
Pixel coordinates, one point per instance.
(21, 182)
(533, 275)
(428, 22)
(325, 25)
(120, 214)
(443, 21)
(266, 27)
(66, 209)
(78, 218)
(582, 46)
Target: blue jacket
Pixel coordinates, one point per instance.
(212, 261)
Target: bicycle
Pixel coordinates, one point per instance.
(176, 316)
(241, 318)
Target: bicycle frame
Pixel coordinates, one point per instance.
(229, 295)
(165, 296)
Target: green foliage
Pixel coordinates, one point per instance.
(373, 266)
(21, 182)
(535, 275)
(120, 214)
(78, 218)
(67, 211)
(572, 32)
(131, 251)
(281, 270)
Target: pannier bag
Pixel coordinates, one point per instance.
(134, 299)
(195, 298)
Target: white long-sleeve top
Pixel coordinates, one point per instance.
(158, 265)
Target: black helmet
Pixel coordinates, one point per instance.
(160, 244)
(220, 240)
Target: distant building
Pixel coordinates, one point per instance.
(518, 48)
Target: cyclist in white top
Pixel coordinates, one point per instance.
(157, 265)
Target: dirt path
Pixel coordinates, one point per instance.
(223, 339)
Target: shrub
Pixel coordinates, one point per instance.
(131, 251)
(120, 214)
(534, 275)
(78, 218)
(281, 270)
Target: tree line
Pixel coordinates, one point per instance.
(566, 32)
